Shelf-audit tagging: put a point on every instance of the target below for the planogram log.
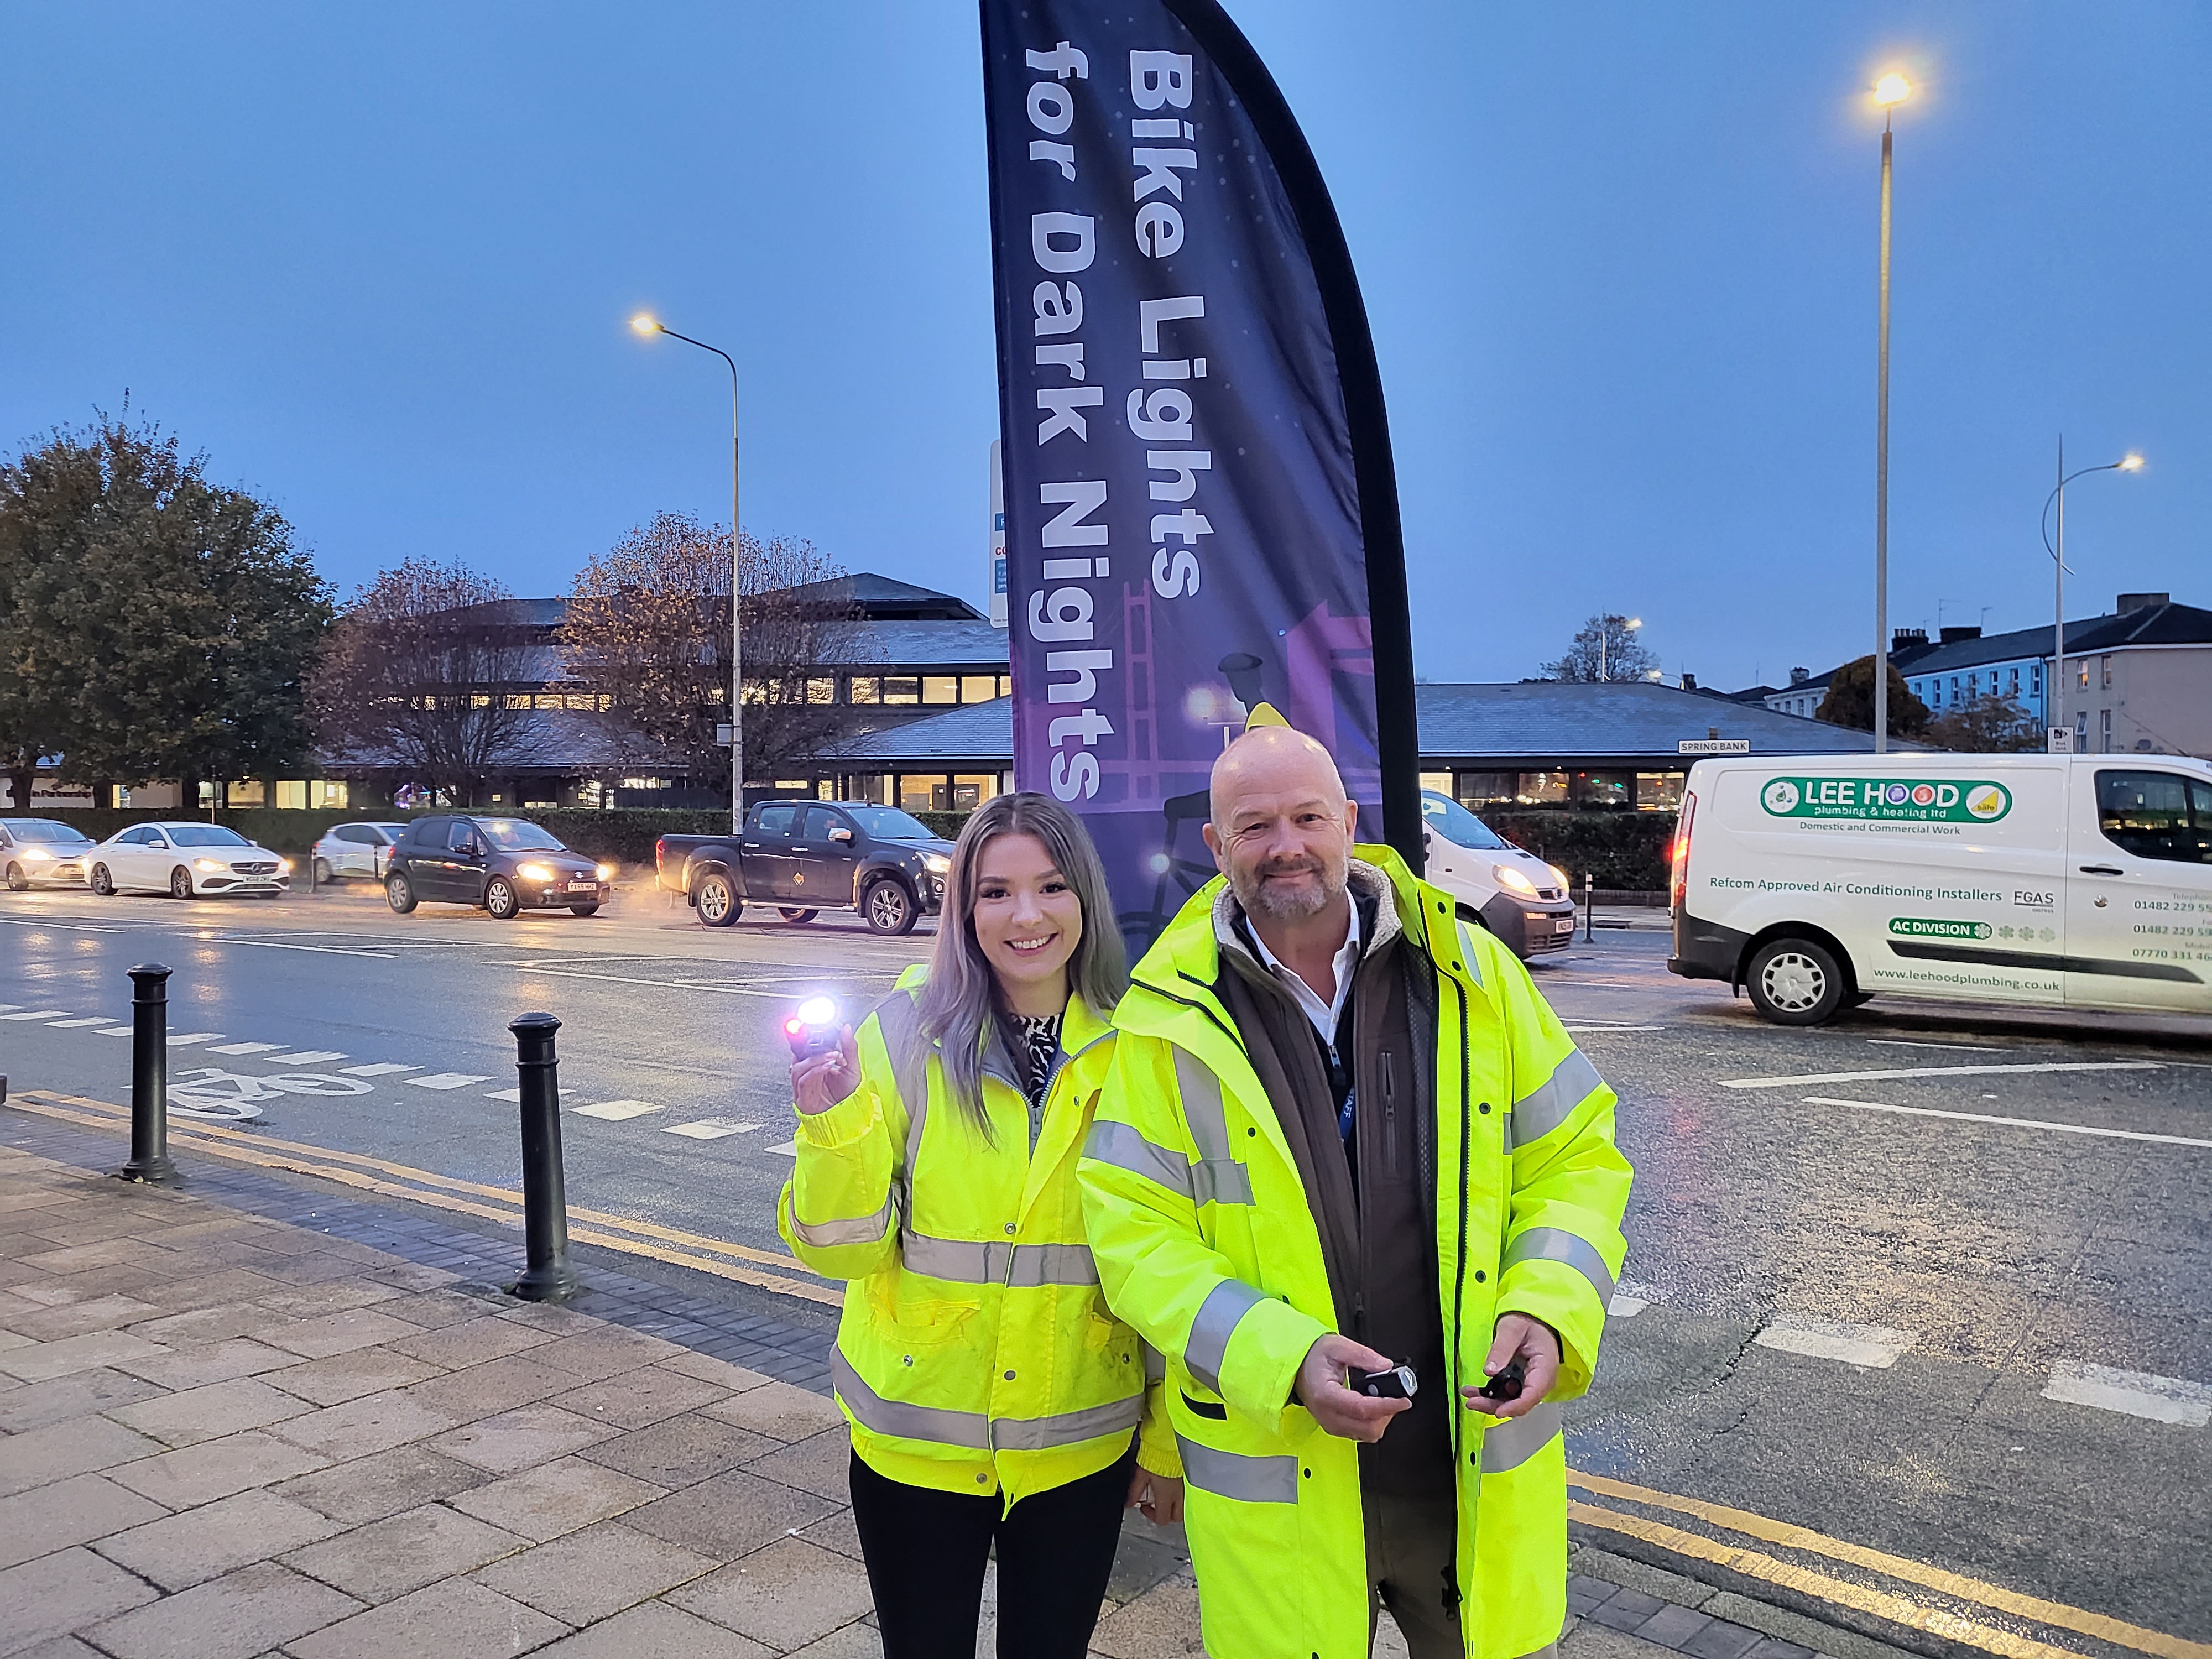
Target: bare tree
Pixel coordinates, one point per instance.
(1604, 649)
(649, 631)
(419, 675)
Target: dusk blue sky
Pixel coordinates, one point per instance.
(1619, 260)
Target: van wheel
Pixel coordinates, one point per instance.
(888, 907)
(1795, 982)
(717, 900)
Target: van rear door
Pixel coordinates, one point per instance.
(2139, 890)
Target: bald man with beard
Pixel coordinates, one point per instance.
(1344, 1134)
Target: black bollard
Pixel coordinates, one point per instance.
(548, 1276)
(149, 1077)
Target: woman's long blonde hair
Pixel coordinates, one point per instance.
(960, 999)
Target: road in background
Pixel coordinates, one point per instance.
(1932, 1284)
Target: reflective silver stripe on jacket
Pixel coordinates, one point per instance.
(1156, 1362)
(1121, 1146)
(864, 1229)
(1067, 1428)
(971, 1430)
(1218, 1178)
(1466, 953)
(1553, 1102)
(898, 1022)
(1558, 1244)
(995, 1261)
(1517, 1439)
(1218, 1315)
(1232, 1474)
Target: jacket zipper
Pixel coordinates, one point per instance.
(1390, 1160)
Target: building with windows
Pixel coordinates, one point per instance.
(1624, 745)
(2138, 679)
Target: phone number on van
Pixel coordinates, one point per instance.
(1892, 801)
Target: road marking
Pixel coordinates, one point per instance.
(708, 1128)
(9, 1007)
(1912, 1614)
(789, 1148)
(2160, 1399)
(71, 1024)
(271, 944)
(382, 1068)
(39, 1013)
(308, 1057)
(193, 1036)
(512, 1097)
(2010, 1122)
(446, 1080)
(1875, 1348)
(1613, 1027)
(1941, 1071)
(617, 1111)
(681, 1249)
(1976, 1048)
(661, 984)
(245, 1048)
(119, 1031)
(1625, 1306)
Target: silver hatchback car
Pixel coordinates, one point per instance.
(42, 853)
(355, 849)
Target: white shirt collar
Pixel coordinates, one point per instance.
(1324, 1015)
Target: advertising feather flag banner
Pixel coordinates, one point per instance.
(1202, 516)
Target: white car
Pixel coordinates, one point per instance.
(185, 861)
(355, 849)
(1512, 892)
(42, 853)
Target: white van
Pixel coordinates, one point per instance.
(1512, 892)
(2083, 881)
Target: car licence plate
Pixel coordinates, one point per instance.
(583, 887)
(1564, 924)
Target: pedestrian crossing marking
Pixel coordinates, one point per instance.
(617, 1111)
(245, 1048)
(118, 1030)
(9, 1007)
(514, 1096)
(788, 1148)
(71, 1024)
(382, 1068)
(40, 1013)
(310, 1057)
(2160, 1399)
(1875, 1348)
(194, 1036)
(709, 1128)
(446, 1080)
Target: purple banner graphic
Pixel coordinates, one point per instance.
(1200, 518)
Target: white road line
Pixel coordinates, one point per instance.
(382, 1068)
(1902, 1042)
(655, 984)
(71, 1024)
(1625, 1306)
(617, 1111)
(118, 1030)
(789, 1148)
(246, 1048)
(2010, 1122)
(2162, 1399)
(512, 1097)
(308, 1057)
(446, 1080)
(1875, 1347)
(1940, 1071)
(1613, 1028)
(708, 1128)
(321, 950)
(193, 1036)
(39, 1013)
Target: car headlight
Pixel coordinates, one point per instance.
(283, 866)
(936, 863)
(606, 872)
(1560, 877)
(1506, 876)
(535, 873)
(36, 855)
(213, 867)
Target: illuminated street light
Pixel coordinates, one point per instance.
(2054, 702)
(645, 324)
(1892, 89)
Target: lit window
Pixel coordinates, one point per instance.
(905, 689)
(978, 688)
(866, 688)
(940, 688)
(822, 691)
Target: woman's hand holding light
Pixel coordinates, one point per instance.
(821, 1081)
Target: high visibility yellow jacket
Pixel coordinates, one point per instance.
(975, 1352)
(1206, 1243)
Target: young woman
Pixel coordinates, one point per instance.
(992, 1397)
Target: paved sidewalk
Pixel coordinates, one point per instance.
(224, 1435)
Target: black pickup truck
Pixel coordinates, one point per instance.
(807, 856)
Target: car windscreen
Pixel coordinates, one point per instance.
(516, 836)
(47, 830)
(888, 824)
(204, 835)
(1456, 823)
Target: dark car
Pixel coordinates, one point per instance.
(501, 865)
(807, 856)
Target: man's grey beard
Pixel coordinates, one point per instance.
(1279, 904)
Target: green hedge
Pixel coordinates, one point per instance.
(1626, 851)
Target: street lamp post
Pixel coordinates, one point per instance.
(1888, 91)
(2054, 703)
(647, 325)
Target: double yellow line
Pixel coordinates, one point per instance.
(503, 1205)
(1898, 1609)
